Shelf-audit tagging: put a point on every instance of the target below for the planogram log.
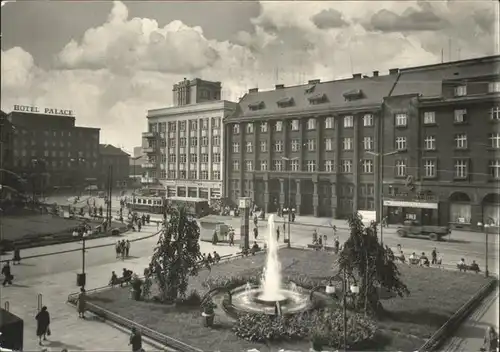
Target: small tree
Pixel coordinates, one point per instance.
(176, 255)
(371, 264)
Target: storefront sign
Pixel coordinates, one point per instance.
(37, 110)
(403, 204)
(171, 183)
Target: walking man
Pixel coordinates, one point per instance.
(7, 274)
(127, 248)
(135, 340)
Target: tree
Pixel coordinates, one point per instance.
(371, 264)
(176, 255)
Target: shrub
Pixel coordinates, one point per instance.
(229, 282)
(193, 299)
(264, 327)
(303, 281)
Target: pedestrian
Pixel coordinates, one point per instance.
(490, 340)
(324, 239)
(127, 248)
(135, 340)
(42, 325)
(16, 258)
(118, 249)
(7, 274)
(139, 225)
(255, 233)
(337, 245)
(122, 249)
(434, 256)
(231, 237)
(81, 303)
(277, 233)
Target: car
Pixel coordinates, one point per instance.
(415, 229)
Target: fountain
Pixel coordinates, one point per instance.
(272, 295)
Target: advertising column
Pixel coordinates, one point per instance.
(245, 221)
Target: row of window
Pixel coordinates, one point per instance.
(193, 166)
(78, 133)
(461, 142)
(55, 154)
(54, 144)
(460, 168)
(194, 124)
(188, 175)
(172, 158)
(459, 116)
(24, 162)
(461, 90)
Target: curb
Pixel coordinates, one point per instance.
(442, 335)
(79, 249)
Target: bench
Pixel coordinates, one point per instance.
(318, 247)
(414, 261)
(468, 268)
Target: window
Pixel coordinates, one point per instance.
(182, 158)
(278, 126)
(278, 146)
(400, 168)
(215, 175)
(204, 175)
(494, 87)
(430, 143)
(193, 158)
(460, 116)
(460, 167)
(194, 141)
(295, 125)
(204, 126)
(294, 165)
(172, 143)
(193, 125)
(495, 113)
(347, 143)
(311, 144)
(216, 158)
(172, 126)
(216, 141)
(346, 166)
(204, 158)
(236, 129)
(368, 143)
(263, 127)
(263, 146)
(249, 127)
(249, 147)
(263, 165)
(328, 144)
(329, 166)
(311, 124)
(401, 120)
(204, 141)
(368, 120)
(311, 165)
(494, 140)
(329, 122)
(215, 122)
(461, 91)
(172, 158)
(430, 168)
(277, 165)
(295, 145)
(429, 117)
(401, 143)
(249, 165)
(495, 169)
(368, 166)
(348, 121)
(182, 142)
(461, 141)
(182, 125)
(236, 147)
(193, 175)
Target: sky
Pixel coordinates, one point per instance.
(110, 62)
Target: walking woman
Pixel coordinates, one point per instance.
(82, 301)
(490, 340)
(42, 325)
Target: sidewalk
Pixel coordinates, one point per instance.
(68, 331)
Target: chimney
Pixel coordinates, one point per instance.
(375, 73)
(356, 75)
(314, 81)
(393, 71)
(253, 90)
(279, 86)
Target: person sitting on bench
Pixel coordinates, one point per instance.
(413, 258)
(461, 265)
(474, 267)
(424, 261)
(114, 279)
(255, 248)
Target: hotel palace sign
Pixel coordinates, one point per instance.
(48, 111)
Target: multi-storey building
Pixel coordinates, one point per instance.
(319, 147)
(6, 153)
(53, 152)
(119, 160)
(444, 121)
(184, 142)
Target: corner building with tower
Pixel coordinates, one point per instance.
(184, 143)
(418, 143)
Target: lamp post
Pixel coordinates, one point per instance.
(485, 228)
(289, 195)
(380, 157)
(81, 278)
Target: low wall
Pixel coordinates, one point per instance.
(446, 331)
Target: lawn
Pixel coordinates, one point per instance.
(435, 295)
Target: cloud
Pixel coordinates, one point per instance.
(117, 71)
(327, 19)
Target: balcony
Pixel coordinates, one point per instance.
(149, 150)
(148, 166)
(149, 135)
(148, 180)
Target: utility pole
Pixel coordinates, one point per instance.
(110, 191)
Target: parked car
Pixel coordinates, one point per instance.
(414, 229)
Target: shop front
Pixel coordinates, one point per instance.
(397, 211)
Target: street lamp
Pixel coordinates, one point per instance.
(81, 278)
(380, 157)
(353, 289)
(485, 227)
(289, 196)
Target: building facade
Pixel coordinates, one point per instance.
(6, 152)
(184, 144)
(53, 152)
(119, 160)
(320, 147)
